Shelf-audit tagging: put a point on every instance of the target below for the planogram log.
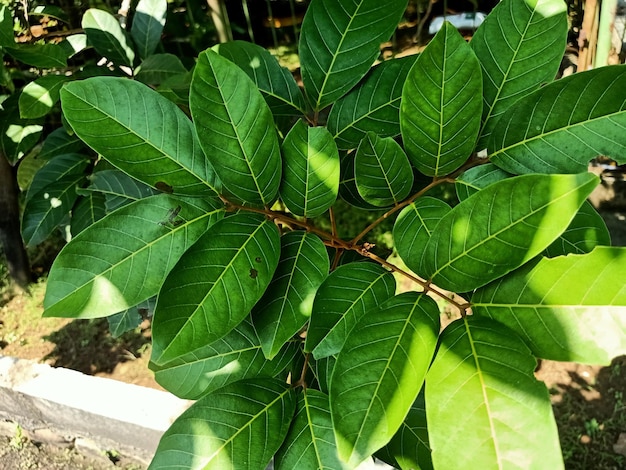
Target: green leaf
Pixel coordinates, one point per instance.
(277, 84)
(347, 184)
(123, 259)
(140, 132)
(485, 408)
(568, 308)
(311, 170)
(73, 44)
(87, 211)
(373, 105)
(441, 104)
(562, 126)
(158, 68)
(130, 319)
(39, 97)
(176, 89)
(382, 171)
(45, 210)
(236, 129)
(310, 442)
(118, 188)
(240, 426)
(7, 39)
(520, 46)
(502, 227)
(59, 142)
(234, 357)
(17, 135)
(286, 305)
(477, 178)
(379, 373)
(50, 11)
(586, 231)
(107, 37)
(56, 169)
(214, 285)
(414, 227)
(343, 298)
(43, 56)
(148, 23)
(334, 53)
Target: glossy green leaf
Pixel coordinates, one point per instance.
(322, 369)
(236, 129)
(56, 169)
(238, 427)
(586, 231)
(87, 211)
(520, 46)
(59, 142)
(382, 172)
(569, 308)
(286, 305)
(477, 178)
(310, 442)
(158, 68)
(124, 258)
(148, 23)
(485, 408)
(347, 184)
(107, 37)
(373, 105)
(379, 373)
(45, 210)
(311, 170)
(214, 285)
(39, 96)
(118, 188)
(140, 132)
(502, 227)
(7, 38)
(334, 53)
(276, 83)
(414, 227)
(563, 125)
(343, 298)
(43, 56)
(234, 357)
(409, 448)
(441, 104)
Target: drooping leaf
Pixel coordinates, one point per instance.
(560, 127)
(310, 442)
(477, 178)
(414, 227)
(379, 373)
(39, 96)
(276, 83)
(234, 357)
(87, 211)
(586, 231)
(520, 46)
(373, 105)
(485, 408)
(158, 68)
(214, 285)
(569, 308)
(118, 188)
(240, 426)
(107, 37)
(441, 104)
(43, 56)
(334, 53)
(140, 132)
(148, 23)
(382, 171)
(311, 170)
(498, 229)
(123, 259)
(56, 169)
(236, 129)
(342, 299)
(45, 210)
(286, 305)
(59, 142)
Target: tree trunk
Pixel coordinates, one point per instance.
(10, 235)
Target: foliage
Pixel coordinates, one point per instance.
(295, 342)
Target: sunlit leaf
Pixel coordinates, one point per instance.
(7, 38)
(39, 96)
(148, 23)
(107, 36)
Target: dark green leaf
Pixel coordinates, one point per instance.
(148, 23)
(119, 188)
(17, 135)
(158, 68)
(55, 169)
(477, 178)
(43, 56)
(7, 39)
(107, 37)
(59, 142)
(39, 97)
(87, 211)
